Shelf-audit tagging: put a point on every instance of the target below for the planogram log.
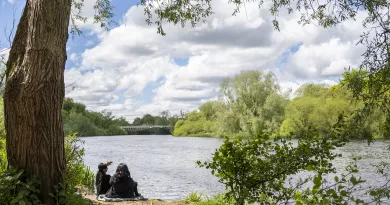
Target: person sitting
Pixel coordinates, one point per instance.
(102, 179)
(135, 184)
(122, 185)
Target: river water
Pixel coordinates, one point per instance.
(165, 168)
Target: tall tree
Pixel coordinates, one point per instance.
(34, 92)
(254, 98)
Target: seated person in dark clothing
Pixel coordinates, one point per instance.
(102, 179)
(122, 185)
(135, 184)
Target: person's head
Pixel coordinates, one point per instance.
(102, 168)
(121, 172)
(126, 169)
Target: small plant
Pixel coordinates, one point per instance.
(220, 199)
(77, 176)
(3, 155)
(193, 197)
(64, 196)
(16, 188)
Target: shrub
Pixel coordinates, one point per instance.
(76, 173)
(15, 188)
(255, 170)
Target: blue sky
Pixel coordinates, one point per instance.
(131, 70)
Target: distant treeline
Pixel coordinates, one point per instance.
(163, 119)
(88, 123)
(252, 102)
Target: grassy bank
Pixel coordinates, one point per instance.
(198, 135)
(212, 135)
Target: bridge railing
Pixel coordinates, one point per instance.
(144, 127)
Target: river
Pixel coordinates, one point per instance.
(164, 166)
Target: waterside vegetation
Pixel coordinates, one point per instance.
(252, 102)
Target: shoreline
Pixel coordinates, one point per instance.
(144, 202)
(235, 136)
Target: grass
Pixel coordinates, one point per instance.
(198, 199)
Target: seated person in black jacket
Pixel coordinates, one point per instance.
(122, 185)
(102, 179)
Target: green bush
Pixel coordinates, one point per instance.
(255, 170)
(76, 175)
(195, 126)
(15, 188)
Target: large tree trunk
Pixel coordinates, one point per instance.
(34, 92)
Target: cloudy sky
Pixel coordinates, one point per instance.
(131, 70)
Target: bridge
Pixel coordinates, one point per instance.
(144, 127)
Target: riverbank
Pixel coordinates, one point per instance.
(146, 202)
(246, 135)
(212, 135)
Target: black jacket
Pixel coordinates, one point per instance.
(121, 189)
(102, 183)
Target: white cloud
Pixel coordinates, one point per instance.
(4, 53)
(131, 56)
(325, 59)
(73, 57)
(89, 43)
(294, 85)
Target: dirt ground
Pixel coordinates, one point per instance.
(146, 202)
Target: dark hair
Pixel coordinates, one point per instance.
(122, 171)
(126, 168)
(101, 167)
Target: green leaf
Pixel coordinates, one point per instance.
(14, 201)
(62, 193)
(340, 187)
(317, 181)
(24, 192)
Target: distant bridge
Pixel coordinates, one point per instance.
(144, 127)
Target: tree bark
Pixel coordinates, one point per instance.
(34, 92)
